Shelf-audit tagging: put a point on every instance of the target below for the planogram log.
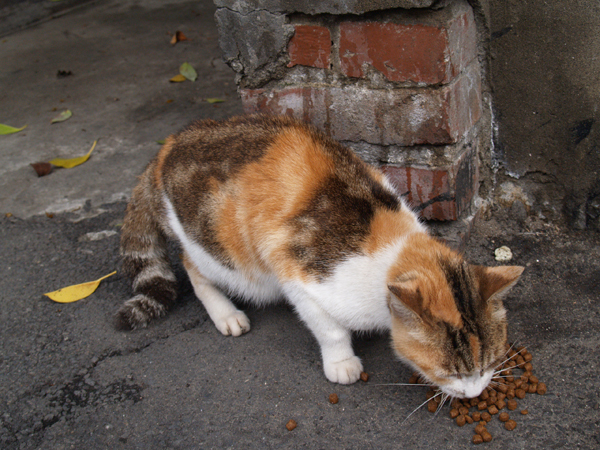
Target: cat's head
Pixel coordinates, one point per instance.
(448, 321)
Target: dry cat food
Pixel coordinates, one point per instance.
(502, 394)
(333, 398)
(291, 425)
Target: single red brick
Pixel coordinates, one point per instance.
(310, 46)
(409, 52)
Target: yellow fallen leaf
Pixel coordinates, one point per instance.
(178, 79)
(7, 129)
(72, 162)
(76, 292)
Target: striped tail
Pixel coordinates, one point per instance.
(145, 261)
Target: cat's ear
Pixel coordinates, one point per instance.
(494, 282)
(406, 299)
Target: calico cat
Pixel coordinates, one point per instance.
(266, 208)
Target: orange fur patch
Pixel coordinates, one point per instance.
(387, 227)
(264, 195)
(421, 254)
(474, 342)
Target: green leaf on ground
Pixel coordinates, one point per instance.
(6, 129)
(62, 116)
(188, 71)
(72, 162)
(214, 100)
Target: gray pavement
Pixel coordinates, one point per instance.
(68, 380)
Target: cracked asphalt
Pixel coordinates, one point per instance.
(69, 380)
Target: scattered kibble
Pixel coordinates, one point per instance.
(506, 389)
(333, 398)
(291, 425)
(364, 376)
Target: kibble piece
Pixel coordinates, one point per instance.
(454, 413)
(480, 429)
(291, 425)
(460, 421)
(500, 404)
(533, 379)
(533, 388)
(482, 405)
(525, 412)
(476, 416)
(477, 439)
(520, 393)
(469, 419)
(528, 367)
(463, 410)
(493, 410)
(432, 406)
(414, 378)
(504, 417)
(520, 361)
(527, 357)
(510, 394)
(518, 383)
(364, 376)
(510, 425)
(486, 416)
(487, 437)
(455, 404)
(484, 395)
(503, 388)
(490, 401)
(474, 401)
(541, 388)
(430, 394)
(333, 398)
(501, 396)
(511, 405)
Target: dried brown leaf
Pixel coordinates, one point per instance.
(42, 168)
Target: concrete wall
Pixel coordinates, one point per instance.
(545, 80)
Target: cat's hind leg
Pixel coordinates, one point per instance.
(227, 318)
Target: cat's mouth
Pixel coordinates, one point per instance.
(467, 386)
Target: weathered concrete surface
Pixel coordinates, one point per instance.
(119, 92)
(69, 380)
(546, 84)
(323, 7)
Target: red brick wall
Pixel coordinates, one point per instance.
(400, 80)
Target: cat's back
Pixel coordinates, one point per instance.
(261, 188)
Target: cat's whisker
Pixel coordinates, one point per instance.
(444, 398)
(420, 406)
(398, 384)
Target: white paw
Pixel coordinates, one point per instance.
(235, 324)
(344, 372)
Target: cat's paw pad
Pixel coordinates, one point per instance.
(344, 372)
(234, 324)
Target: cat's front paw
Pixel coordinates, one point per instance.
(344, 372)
(235, 324)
